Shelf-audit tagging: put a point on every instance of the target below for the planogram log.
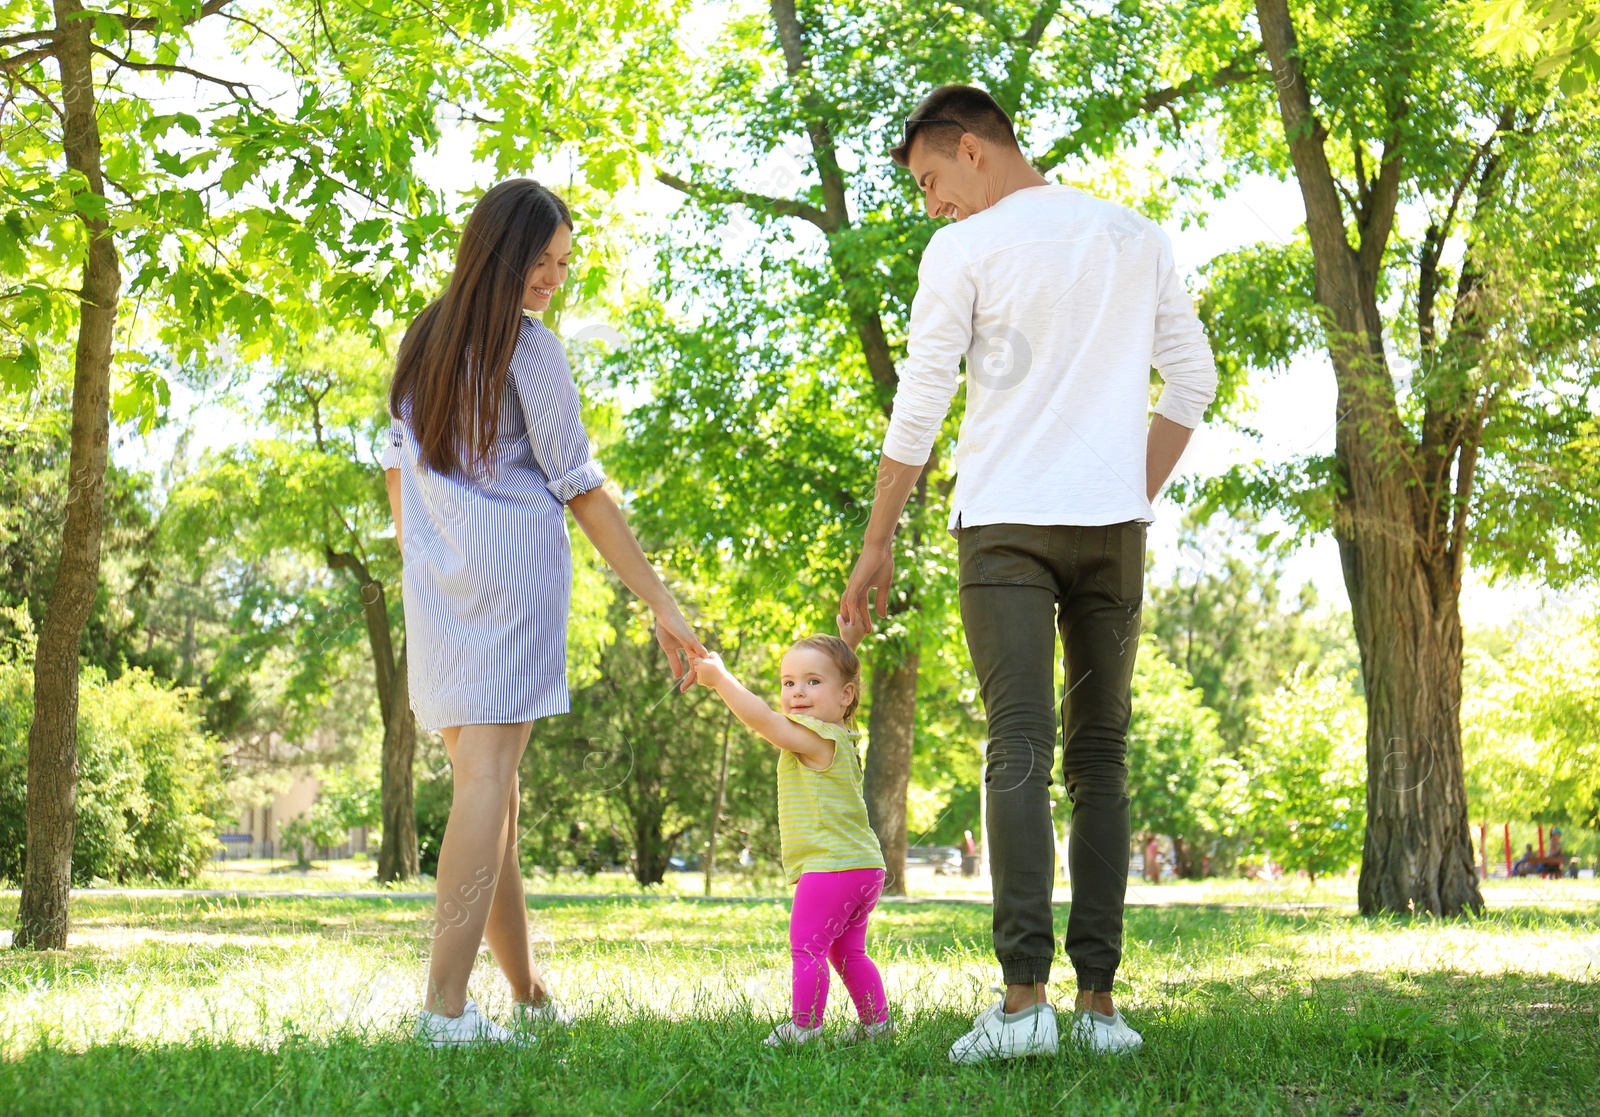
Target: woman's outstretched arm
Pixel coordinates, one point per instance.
(602, 521)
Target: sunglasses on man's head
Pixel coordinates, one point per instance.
(915, 122)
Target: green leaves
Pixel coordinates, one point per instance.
(1308, 773)
(1561, 37)
(1259, 310)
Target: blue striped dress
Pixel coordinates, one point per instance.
(487, 560)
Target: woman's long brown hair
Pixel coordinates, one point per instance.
(450, 375)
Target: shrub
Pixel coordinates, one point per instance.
(1308, 773)
(149, 783)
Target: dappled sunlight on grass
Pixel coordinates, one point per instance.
(1276, 1008)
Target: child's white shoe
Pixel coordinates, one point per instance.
(866, 1033)
(471, 1027)
(790, 1034)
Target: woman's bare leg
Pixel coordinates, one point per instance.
(507, 929)
(484, 759)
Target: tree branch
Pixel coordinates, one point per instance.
(1017, 68)
(344, 560)
(1439, 233)
(1306, 138)
(1238, 71)
(859, 287)
(209, 8)
(17, 61)
(259, 30)
(43, 96)
(26, 37)
(1377, 222)
(1363, 188)
(722, 195)
(233, 87)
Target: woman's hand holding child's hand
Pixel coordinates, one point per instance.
(708, 669)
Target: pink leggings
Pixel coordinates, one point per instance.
(829, 924)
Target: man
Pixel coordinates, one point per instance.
(1061, 303)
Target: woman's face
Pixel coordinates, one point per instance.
(549, 271)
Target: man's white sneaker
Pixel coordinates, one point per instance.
(528, 1017)
(998, 1034)
(790, 1034)
(471, 1027)
(1108, 1035)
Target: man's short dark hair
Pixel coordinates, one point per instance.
(948, 113)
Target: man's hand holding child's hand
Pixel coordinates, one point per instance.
(850, 633)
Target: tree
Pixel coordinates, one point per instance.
(150, 785)
(313, 492)
(1531, 726)
(634, 750)
(98, 176)
(256, 220)
(1179, 782)
(1465, 382)
(1223, 621)
(1561, 37)
(783, 293)
(1305, 773)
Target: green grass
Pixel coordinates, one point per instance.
(276, 1004)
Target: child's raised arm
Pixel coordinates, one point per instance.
(760, 717)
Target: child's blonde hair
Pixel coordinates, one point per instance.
(844, 658)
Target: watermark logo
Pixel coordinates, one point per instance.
(1001, 359)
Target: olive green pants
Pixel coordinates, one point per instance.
(1020, 584)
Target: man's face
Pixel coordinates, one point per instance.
(952, 184)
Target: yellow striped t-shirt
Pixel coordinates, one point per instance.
(822, 817)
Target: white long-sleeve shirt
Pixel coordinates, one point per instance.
(1061, 303)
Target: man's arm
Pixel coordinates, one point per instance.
(875, 568)
(941, 332)
(1163, 448)
(1188, 372)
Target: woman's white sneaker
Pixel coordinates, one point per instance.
(998, 1034)
(542, 1016)
(471, 1027)
(790, 1034)
(1108, 1035)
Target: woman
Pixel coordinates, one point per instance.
(485, 449)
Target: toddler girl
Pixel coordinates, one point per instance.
(830, 853)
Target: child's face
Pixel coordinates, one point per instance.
(549, 271)
(811, 684)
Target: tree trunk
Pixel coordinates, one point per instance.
(1404, 588)
(398, 857)
(1417, 856)
(53, 735)
(891, 729)
(721, 803)
(1184, 866)
(652, 849)
(894, 689)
